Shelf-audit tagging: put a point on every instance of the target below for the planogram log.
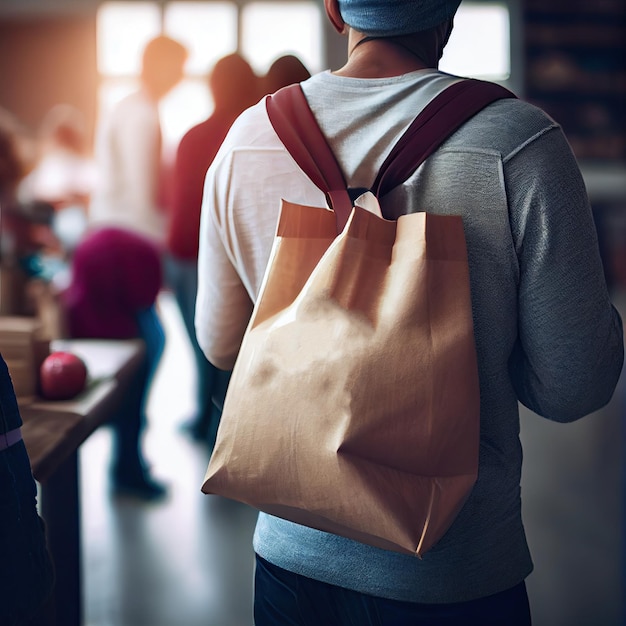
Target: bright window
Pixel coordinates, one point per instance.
(261, 31)
(123, 29)
(480, 44)
(271, 29)
(209, 30)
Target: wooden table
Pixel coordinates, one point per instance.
(53, 432)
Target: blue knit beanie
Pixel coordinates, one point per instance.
(387, 18)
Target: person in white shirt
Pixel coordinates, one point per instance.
(128, 147)
(64, 174)
(125, 213)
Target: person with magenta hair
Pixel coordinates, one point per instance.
(546, 332)
(116, 276)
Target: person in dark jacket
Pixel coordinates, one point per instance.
(234, 87)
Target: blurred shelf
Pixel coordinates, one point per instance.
(605, 181)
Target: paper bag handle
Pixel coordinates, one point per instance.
(297, 128)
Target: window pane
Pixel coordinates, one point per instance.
(480, 42)
(271, 29)
(209, 30)
(123, 30)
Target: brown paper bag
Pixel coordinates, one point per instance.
(353, 407)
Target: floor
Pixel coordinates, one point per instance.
(188, 561)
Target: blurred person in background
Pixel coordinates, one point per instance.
(234, 87)
(116, 275)
(64, 177)
(64, 174)
(128, 148)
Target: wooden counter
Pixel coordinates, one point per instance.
(53, 432)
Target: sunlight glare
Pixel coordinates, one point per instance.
(271, 29)
(208, 30)
(123, 30)
(479, 46)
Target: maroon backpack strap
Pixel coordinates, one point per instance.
(437, 121)
(297, 128)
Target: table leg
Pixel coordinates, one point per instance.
(60, 507)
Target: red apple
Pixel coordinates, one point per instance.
(62, 376)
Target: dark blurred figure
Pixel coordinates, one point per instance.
(64, 174)
(286, 70)
(26, 571)
(234, 87)
(116, 277)
(25, 227)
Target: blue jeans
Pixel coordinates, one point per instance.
(283, 598)
(130, 423)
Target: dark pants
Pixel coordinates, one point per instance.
(130, 422)
(286, 599)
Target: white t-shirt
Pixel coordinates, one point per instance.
(128, 157)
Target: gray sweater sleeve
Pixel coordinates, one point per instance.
(569, 351)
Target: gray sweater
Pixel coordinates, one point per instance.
(546, 332)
